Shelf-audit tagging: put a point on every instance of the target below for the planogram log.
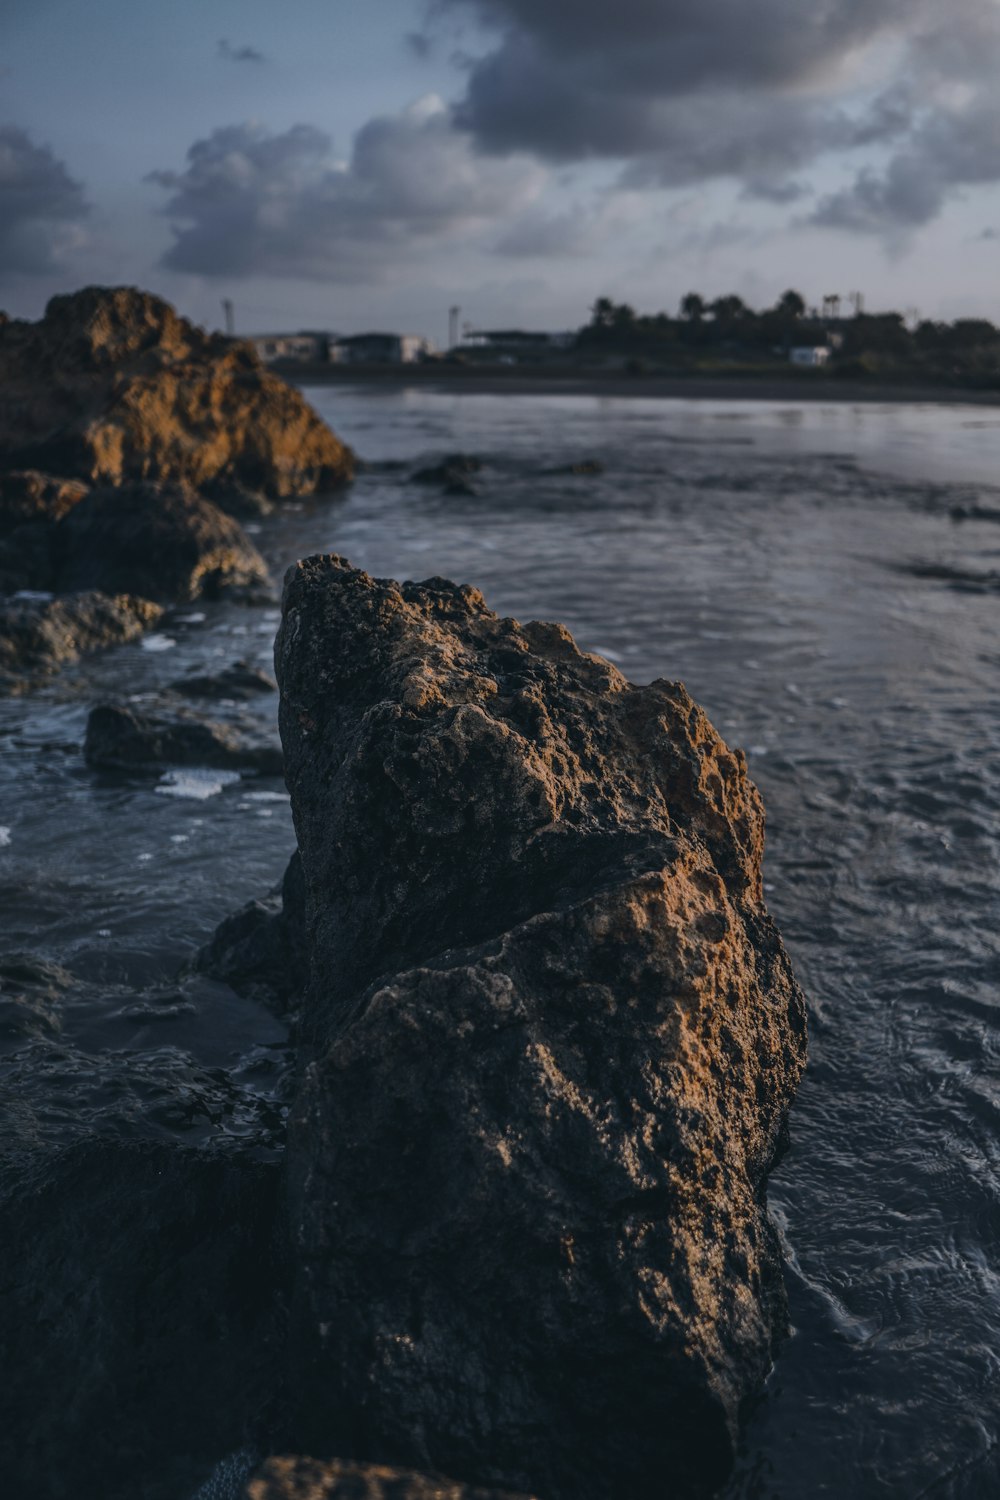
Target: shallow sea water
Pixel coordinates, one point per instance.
(804, 570)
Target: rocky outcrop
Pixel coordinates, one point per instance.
(39, 635)
(113, 387)
(308, 1479)
(163, 542)
(557, 1041)
(121, 737)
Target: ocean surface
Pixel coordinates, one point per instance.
(826, 581)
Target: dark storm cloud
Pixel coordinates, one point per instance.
(755, 90)
(248, 202)
(239, 54)
(41, 206)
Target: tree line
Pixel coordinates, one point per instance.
(859, 343)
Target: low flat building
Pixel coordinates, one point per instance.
(384, 349)
(810, 356)
(515, 343)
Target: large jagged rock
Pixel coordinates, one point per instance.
(558, 1038)
(162, 542)
(112, 386)
(38, 635)
(28, 496)
(308, 1479)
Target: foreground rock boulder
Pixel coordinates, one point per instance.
(111, 386)
(557, 1040)
(308, 1479)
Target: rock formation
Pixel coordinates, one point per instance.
(39, 635)
(163, 542)
(121, 737)
(112, 386)
(308, 1479)
(557, 1040)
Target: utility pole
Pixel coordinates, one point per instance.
(454, 313)
(227, 308)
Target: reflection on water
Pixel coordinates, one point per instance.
(801, 569)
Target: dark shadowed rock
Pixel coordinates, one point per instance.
(309, 1479)
(261, 950)
(39, 635)
(113, 387)
(453, 474)
(161, 541)
(123, 738)
(26, 495)
(560, 1038)
(141, 1303)
(241, 681)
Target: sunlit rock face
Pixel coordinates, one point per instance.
(557, 1037)
(309, 1479)
(112, 386)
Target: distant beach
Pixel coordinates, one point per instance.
(559, 382)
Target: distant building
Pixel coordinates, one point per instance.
(308, 348)
(384, 349)
(516, 343)
(812, 356)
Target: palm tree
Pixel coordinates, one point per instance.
(791, 305)
(693, 307)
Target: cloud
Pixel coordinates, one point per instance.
(948, 150)
(42, 208)
(681, 91)
(239, 54)
(249, 202)
(579, 230)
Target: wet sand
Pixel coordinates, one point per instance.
(562, 382)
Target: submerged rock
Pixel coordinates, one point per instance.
(30, 991)
(453, 474)
(112, 387)
(261, 950)
(558, 1038)
(309, 1479)
(124, 738)
(39, 634)
(161, 541)
(241, 680)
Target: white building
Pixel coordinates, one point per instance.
(309, 348)
(812, 356)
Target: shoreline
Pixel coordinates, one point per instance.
(493, 382)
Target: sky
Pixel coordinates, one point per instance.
(346, 166)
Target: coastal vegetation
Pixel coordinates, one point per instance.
(726, 333)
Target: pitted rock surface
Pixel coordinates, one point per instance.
(557, 1040)
(309, 1479)
(112, 386)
